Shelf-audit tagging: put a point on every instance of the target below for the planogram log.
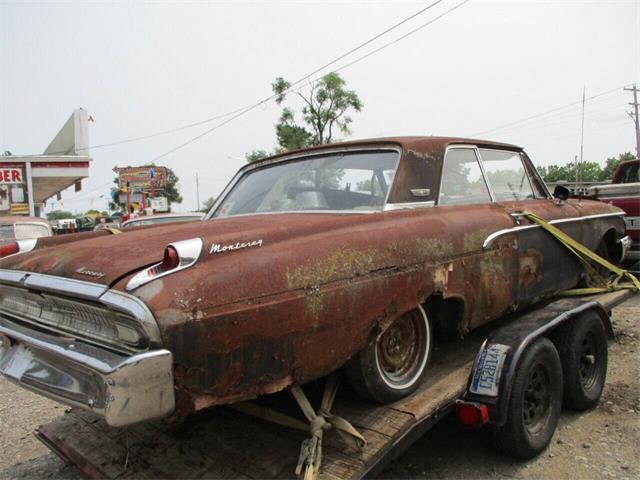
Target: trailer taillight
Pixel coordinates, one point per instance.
(472, 414)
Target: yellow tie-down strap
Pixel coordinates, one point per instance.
(115, 231)
(583, 254)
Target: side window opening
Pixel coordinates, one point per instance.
(462, 179)
(508, 178)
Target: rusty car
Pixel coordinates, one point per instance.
(355, 255)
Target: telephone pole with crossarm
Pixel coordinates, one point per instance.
(634, 117)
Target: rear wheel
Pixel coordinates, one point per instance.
(393, 363)
(582, 345)
(535, 403)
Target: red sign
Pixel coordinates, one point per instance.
(10, 175)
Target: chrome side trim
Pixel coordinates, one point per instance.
(123, 389)
(114, 299)
(489, 240)
(408, 205)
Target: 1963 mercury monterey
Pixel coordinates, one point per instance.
(357, 254)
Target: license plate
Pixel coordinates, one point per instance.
(486, 377)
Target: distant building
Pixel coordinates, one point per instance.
(28, 181)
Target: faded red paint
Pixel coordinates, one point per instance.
(254, 321)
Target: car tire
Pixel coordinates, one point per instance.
(535, 403)
(393, 363)
(582, 345)
(603, 251)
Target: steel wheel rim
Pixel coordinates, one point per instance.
(587, 361)
(536, 406)
(401, 350)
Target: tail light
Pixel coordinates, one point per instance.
(18, 247)
(472, 414)
(9, 249)
(177, 256)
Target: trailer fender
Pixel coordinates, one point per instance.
(491, 377)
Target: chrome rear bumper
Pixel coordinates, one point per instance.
(123, 389)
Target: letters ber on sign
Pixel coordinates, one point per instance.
(11, 175)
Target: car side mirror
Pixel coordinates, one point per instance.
(561, 193)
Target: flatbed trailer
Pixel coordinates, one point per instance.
(225, 442)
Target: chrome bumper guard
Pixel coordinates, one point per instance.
(625, 243)
(122, 389)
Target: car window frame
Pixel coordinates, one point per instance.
(527, 172)
(476, 151)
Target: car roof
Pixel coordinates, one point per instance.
(418, 143)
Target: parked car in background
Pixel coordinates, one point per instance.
(23, 228)
(624, 193)
(162, 218)
(357, 255)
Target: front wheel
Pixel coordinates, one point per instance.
(535, 403)
(393, 363)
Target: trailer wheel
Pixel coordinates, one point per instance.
(582, 345)
(535, 403)
(393, 363)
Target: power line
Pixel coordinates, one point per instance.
(240, 112)
(415, 30)
(247, 110)
(515, 122)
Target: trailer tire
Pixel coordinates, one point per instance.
(393, 363)
(535, 402)
(582, 345)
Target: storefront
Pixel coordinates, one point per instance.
(27, 182)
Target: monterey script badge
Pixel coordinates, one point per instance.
(218, 248)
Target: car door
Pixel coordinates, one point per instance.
(465, 199)
(544, 265)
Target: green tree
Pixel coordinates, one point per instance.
(325, 110)
(59, 215)
(207, 204)
(589, 172)
(255, 155)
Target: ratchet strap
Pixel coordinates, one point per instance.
(583, 254)
(310, 456)
(114, 231)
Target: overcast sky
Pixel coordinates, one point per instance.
(141, 68)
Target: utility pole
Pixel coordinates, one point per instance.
(197, 193)
(634, 117)
(578, 176)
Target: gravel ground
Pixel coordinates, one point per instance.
(602, 443)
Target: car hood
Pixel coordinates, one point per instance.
(106, 259)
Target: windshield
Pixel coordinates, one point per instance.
(356, 181)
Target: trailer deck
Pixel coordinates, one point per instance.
(225, 443)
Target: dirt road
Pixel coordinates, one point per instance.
(602, 443)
